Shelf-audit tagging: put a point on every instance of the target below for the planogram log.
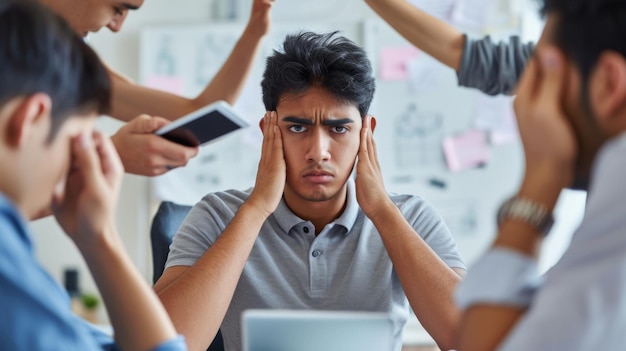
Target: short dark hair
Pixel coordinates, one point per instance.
(586, 28)
(40, 53)
(326, 60)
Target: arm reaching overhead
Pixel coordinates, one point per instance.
(431, 35)
(493, 68)
(131, 99)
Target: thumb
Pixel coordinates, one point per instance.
(147, 124)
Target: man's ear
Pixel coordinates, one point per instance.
(607, 88)
(373, 123)
(261, 124)
(30, 113)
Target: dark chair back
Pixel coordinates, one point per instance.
(165, 224)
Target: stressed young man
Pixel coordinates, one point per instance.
(141, 151)
(53, 87)
(571, 113)
(309, 235)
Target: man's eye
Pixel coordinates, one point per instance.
(340, 129)
(297, 129)
(119, 11)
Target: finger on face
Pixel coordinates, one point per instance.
(527, 84)
(552, 76)
(109, 159)
(372, 146)
(85, 155)
(278, 139)
(371, 142)
(267, 125)
(267, 135)
(365, 144)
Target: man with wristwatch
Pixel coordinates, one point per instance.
(571, 113)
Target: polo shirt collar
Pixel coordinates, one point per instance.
(287, 219)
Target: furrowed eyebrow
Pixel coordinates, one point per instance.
(337, 122)
(309, 122)
(298, 120)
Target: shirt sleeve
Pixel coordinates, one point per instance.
(35, 310)
(204, 223)
(429, 224)
(493, 68)
(176, 344)
(500, 277)
(107, 343)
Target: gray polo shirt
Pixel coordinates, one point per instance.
(346, 267)
(493, 68)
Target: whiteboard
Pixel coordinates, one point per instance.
(183, 59)
(416, 110)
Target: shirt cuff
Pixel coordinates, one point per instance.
(501, 277)
(176, 344)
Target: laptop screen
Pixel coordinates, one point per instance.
(302, 330)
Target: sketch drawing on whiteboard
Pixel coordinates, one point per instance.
(417, 139)
(211, 54)
(461, 216)
(165, 60)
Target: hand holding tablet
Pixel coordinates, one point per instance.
(203, 125)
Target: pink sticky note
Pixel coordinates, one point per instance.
(394, 62)
(171, 84)
(466, 150)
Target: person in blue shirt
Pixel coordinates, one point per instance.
(571, 113)
(52, 88)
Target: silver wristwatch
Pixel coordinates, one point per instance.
(530, 212)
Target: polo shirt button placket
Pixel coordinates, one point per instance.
(316, 253)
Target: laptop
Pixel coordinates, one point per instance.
(304, 330)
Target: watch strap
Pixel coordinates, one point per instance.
(528, 211)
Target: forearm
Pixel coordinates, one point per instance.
(130, 99)
(197, 300)
(523, 239)
(432, 35)
(139, 320)
(230, 79)
(418, 266)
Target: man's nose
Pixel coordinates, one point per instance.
(116, 23)
(319, 144)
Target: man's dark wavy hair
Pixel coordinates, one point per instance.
(40, 53)
(329, 61)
